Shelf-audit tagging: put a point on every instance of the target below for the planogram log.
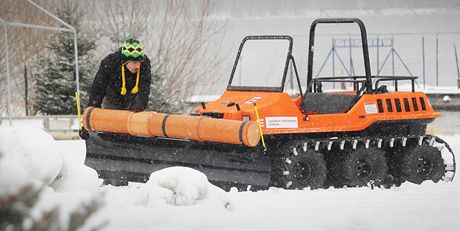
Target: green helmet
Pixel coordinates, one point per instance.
(132, 50)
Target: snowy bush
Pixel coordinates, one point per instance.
(76, 177)
(17, 212)
(29, 152)
(30, 161)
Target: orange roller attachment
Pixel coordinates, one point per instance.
(173, 126)
(105, 120)
(231, 131)
(182, 126)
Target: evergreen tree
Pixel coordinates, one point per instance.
(55, 80)
(158, 100)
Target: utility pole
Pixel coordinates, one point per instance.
(437, 60)
(333, 61)
(458, 70)
(378, 55)
(423, 61)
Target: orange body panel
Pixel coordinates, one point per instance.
(358, 118)
(279, 114)
(174, 126)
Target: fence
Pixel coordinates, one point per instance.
(59, 126)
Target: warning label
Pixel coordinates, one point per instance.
(281, 122)
(370, 108)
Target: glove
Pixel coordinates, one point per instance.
(83, 133)
(136, 109)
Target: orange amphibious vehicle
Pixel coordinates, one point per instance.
(257, 134)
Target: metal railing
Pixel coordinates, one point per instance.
(49, 123)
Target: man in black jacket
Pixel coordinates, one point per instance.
(122, 82)
(123, 79)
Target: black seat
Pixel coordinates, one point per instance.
(322, 103)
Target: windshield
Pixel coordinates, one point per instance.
(261, 64)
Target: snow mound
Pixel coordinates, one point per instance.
(30, 153)
(180, 186)
(76, 177)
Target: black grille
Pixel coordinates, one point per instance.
(422, 103)
(406, 105)
(415, 104)
(389, 105)
(398, 105)
(380, 105)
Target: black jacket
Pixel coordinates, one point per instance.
(107, 83)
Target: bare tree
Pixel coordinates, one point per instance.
(121, 19)
(183, 42)
(187, 45)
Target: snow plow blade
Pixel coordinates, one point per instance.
(130, 158)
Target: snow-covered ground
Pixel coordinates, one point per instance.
(182, 199)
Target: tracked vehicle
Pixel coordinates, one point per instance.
(256, 134)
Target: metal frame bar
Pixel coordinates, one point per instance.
(33, 26)
(262, 37)
(355, 79)
(395, 79)
(297, 76)
(353, 42)
(364, 45)
(379, 69)
(325, 61)
(77, 78)
(5, 38)
(402, 62)
(334, 53)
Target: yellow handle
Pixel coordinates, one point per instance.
(78, 110)
(260, 127)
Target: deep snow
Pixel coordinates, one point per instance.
(182, 199)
